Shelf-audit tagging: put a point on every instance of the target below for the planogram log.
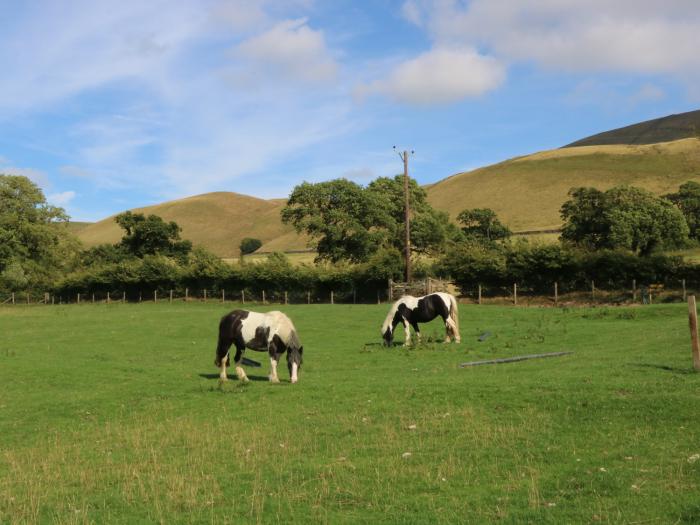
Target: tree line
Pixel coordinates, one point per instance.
(610, 237)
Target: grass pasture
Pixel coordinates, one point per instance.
(114, 414)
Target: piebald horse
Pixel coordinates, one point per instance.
(411, 310)
(271, 332)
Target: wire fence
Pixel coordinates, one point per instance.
(515, 295)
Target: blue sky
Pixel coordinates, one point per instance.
(114, 105)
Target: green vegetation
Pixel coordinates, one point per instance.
(348, 222)
(249, 245)
(688, 201)
(114, 414)
(622, 217)
(482, 224)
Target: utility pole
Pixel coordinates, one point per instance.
(407, 215)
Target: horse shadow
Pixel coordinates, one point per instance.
(234, 378)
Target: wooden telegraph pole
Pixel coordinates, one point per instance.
(407, 215)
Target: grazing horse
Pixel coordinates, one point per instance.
(413, 310)
(271, 332)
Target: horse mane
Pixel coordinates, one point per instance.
(392, 311)
(286, 329)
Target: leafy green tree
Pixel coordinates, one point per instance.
(687, 199)
(483, 224)
(34, 239)
(151, 236)
(348, 222)
(342, 219)
(623, 217)
(249, 245)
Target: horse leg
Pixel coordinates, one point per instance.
(239, 368)
(417, 330)
(274, 359)
(407, 332)
(222, 374)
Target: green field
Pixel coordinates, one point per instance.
(114, 414)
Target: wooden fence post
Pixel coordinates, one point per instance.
(693, 321)
(13, 297)
(308, 297)
(27, 297)
(286, 301)
(379, 301)
(187, 293)
(223, 296)
(515, 293)
(53, 299)
(592, 289)
(93, 298)
(684, 292)
(479, 301)
(263, 296)
(332, 297)
(243, 296)
(170, 298)
(124, 297)
(108, 299)
(140, 298)
(556, 292)
(634, 290)
(354, 296)
(78, 298)
(205, 295)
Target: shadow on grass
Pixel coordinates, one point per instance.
(675, 370)
(234, 378)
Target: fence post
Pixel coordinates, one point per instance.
(263, 296)
(379, 301)
(205, 295)
(391, 289)
(651, 301)
(556, 292)
(515, 293)
(308, 297)
(170, 299)
(155, 296)
(634, 290)
(140, 296)
(108, 298)
(684, 293)
(592, 289)
(285, 297)
(243, 296)
(53, 299)
(93, 298)
(13, 297)
(78, 298)
(479, 294)
(27, 297)
(693, 321)
(124, 297)
(187, 293)
(223, 296)
(354, 296)
(332, 297)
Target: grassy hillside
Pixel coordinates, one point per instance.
(665, 129)
(527, 192)
(217, 221)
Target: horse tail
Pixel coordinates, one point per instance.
(225, 340)
(454, 316)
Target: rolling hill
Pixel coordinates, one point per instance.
(665, 129)
(526, 192)
(217, 221)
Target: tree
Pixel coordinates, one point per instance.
(249, 245)
(348, 222)
(343, 220)
(34, 240)
(622, 217)
(483, 224)
(151, 236)
(688, 201)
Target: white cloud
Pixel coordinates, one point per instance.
(440, 76)
(642, 36)
(290, 49)
(37, 176)
(61, 199)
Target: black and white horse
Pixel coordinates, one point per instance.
(271, 332)
(411, 310)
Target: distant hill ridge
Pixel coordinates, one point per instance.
(526, 192)
(664, 129)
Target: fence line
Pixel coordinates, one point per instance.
(477, 294)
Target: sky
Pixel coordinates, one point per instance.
(112, 105)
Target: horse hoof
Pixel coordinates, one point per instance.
(222, 378)
(274, 380)
(293, 381)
